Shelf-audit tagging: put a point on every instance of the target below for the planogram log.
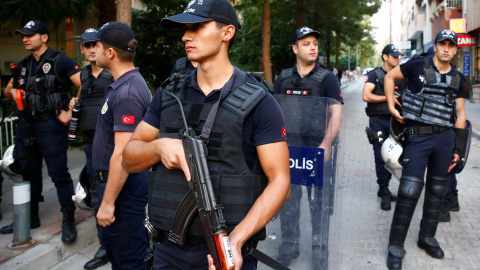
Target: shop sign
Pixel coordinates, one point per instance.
(457, 25)
(466, 64)
(467, 40)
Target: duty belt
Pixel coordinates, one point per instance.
(425, 130)
(102, 176)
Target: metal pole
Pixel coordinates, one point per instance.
(21, 216)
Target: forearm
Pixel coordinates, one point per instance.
(334, 123)
(116, 179)
(389, 88)
(9, 91)
(461, 114)
(139, 156)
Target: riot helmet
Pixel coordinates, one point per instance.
(392, 149)
(8, 164)
(82, 193)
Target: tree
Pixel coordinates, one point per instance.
(18, 12)
(124, 11)
(267, 66)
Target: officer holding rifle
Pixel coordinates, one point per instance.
(247, 153)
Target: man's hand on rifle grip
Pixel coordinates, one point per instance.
(172, 155)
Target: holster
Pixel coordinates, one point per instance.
(374, 135)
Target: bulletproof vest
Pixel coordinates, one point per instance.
(181, 66)
(306, 86)
(377, 109)
(435, 103)
(91, 97)
(236, 186)
(46, 91)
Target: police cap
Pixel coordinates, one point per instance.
(117, 34)
(305, 31)
(446, 34)
(204, 11)
(89, 35)
(33, 27)
(392, 50)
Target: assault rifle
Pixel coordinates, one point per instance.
(22, 112)
(201, 197)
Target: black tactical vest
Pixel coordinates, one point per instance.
(181, 66)
(435, 103)
(235, 184)
(46, 92)
(306, 86)
(378, 109)
(91, 97)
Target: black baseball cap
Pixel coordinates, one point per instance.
(89, 35)
(33, 27)
(305, 31)
(117, 34)
(392, 50)
(204, 11)
(447, 34)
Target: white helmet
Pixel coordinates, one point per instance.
(81, 198)
(392, 149)
(7, 164)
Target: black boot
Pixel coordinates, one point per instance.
(435, 190)
(34, 220)
(445, 212)
(431, 246)
(408, 193)
(454, 206)
(100, 258)
(395, 257)
(385, 203)
(383, 190)
(69, 231)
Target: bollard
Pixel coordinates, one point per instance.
(21, 216)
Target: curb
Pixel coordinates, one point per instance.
(50, 253)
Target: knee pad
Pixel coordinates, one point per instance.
(437, 185)
(410, 187)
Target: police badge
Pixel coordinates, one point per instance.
(46, 68)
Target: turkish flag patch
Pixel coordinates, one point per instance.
(128, 119)
(341, 95)
(284, 132)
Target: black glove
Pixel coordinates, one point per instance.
(461, 140)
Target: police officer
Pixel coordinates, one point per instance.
(244, 147)
(45, 76)
(377, 111)
(123, 196)
(306, 76)
(435, 138)
(95, 81)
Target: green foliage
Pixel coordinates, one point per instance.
(158, 48)
(15, 13)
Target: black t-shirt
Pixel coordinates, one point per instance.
(413, 70)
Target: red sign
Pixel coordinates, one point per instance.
(467, 41)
